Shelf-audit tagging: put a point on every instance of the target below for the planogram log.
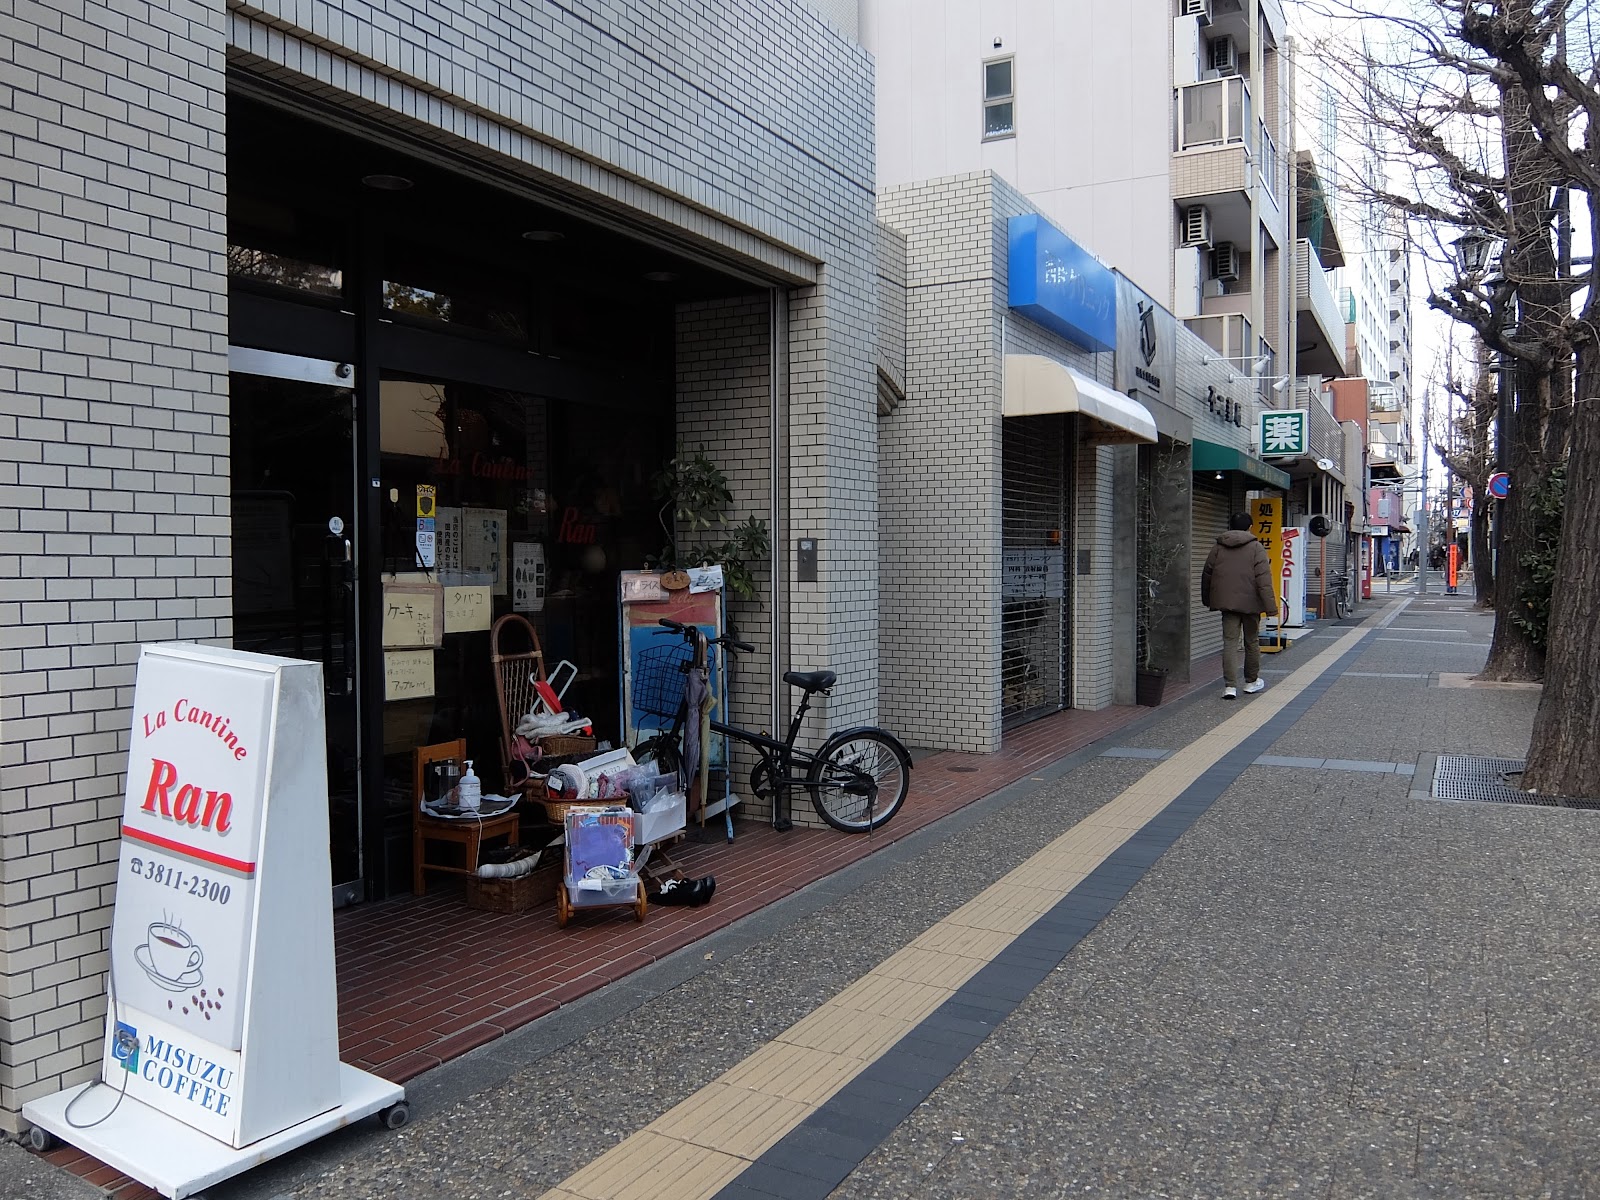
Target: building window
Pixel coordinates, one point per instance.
(999, 99)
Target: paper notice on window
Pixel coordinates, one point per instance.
(467, 609)
(705, 579)
(527, 577)
(407, 674)
(411, 615)
(483, 547)
(447, 544)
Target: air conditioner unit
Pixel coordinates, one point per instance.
(1196, 8)
(1212, 288)
(1224, 261)
(1223, 55)
(1197, 225)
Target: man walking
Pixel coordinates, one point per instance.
(1237, 582)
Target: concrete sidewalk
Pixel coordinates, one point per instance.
(1304, 981)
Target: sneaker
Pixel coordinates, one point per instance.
(1254, 686)
(1229, 693)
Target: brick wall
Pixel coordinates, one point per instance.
(939, 484)
(114, 459)
(1209, 172)
(724, 398)
(939, 477)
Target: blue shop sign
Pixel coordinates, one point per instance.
(1060, 285)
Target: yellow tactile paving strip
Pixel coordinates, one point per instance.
(692, 1151)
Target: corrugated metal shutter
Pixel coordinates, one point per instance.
(1033, 573)
(1210, 519)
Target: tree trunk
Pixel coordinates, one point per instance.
(1513, 657)
(1482, 555)
(1564, 754)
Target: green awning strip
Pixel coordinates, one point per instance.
(1210, 456)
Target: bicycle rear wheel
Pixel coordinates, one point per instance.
(859, 779)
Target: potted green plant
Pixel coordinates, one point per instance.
(1160, 546)
(695, 502)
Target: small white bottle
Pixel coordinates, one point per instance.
(469, 791)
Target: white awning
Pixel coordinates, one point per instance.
(1035, 385)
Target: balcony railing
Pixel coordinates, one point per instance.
(1326, 437)
(1215, 112)
(1312, 292)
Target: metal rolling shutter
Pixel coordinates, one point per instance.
(1210, 518)
(1033, 571)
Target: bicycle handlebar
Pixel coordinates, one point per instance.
(727, 642)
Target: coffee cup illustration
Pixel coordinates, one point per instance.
(173, 953)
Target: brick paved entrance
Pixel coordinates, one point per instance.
(424, 980)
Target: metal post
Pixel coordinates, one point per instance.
(1423, 541)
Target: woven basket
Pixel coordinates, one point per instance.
(558, 744)
(515, 895)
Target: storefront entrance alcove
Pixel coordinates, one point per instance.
(413, 343)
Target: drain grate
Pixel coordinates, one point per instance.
(1463, 777)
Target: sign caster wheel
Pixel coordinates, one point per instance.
(40, 1140)
(563, 906)
(396, 1116)
(641, 905)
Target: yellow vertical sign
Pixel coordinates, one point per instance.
(1266, 522)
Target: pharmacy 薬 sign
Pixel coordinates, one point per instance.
(1284, 432)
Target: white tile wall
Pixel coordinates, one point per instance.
(743, 127)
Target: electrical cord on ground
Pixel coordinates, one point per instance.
(120, 1042)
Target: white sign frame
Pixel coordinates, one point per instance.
(227, 789)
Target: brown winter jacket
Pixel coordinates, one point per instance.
(1238, 575)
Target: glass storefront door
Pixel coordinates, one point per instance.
(294, 553)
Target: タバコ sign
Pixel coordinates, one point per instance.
(221, 952)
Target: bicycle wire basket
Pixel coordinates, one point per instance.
(660, 678)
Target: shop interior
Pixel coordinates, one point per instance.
(438, 378)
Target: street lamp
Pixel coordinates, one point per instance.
(1472, 251)
(1472, 256)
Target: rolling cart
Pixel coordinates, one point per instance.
(598, 870)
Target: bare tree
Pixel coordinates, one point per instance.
(1465, 153)
(1561, 84)
(1463, 438)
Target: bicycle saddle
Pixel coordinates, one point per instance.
(812, 681)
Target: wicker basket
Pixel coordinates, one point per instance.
(559, 744)
(517, 894)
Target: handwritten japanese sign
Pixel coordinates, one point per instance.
(466, 609)
(407, 674)
(412, 615)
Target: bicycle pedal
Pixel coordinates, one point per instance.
(783, 826)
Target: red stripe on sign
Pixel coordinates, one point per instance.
(205, 856)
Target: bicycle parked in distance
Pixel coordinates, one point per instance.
(1339, 596)
(857, 780)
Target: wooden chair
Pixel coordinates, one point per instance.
(468, 834)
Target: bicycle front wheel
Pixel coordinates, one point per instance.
(859, 779)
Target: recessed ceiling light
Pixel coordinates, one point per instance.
(660, 276)
(544, 235)
(386, 183)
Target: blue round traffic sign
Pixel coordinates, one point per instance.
(1500, 485)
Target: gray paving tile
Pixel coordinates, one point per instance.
(1283, 760)
(1134, 752)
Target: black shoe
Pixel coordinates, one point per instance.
(677, 891)
(700, 890)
